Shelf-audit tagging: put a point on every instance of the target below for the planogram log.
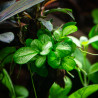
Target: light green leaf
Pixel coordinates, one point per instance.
(68, 24)
(24, 54)
(46, 48)
(93, 39)
(57, 92)
(75, 40)
(63, 10)
(8, 83)
(44, 38)
(84, 92)
(47, 24)
(57, 34)
(69, 29)
(36, 45)
(68, 64)
(53, 61)
(21, 92)
(63, 49)
(40, 61)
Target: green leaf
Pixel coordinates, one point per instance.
(79, 56)
(40, 61)
(42, 71)
(24, 54)
(46, 48)
(47, 24)
(53, 61)
(75, 40)
(93, 73)
(63, 10)
(8, 83)
(92, 33)
(44, 38)
(93, 39)
(68, 24)
(94, 68)
(43, 31)
(84, 92)
(28, 42)
(36, 45)
(6, 55)
(57, 92)
(57, 34)
(68, 64)
(69, 29)
(21, 92)
(95, 15)
(63, 49)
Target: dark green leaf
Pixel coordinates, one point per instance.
(57, 92)
(47, 24)
(24, 54)
(21, 92)
(53, 61)
(28, 42)
(40, 61)
(93, 73)
(42, 71)
(84, 92)
(8, 83)
(69, 29)
(6, 55)
(95, 15)
(63, 10)
(43, 31)
(68, 64)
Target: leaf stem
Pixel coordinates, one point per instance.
(32, 81)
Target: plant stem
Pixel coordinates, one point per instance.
(32, 81)
(85, 78)
(80, 77)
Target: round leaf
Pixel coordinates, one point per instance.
(68, 64)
